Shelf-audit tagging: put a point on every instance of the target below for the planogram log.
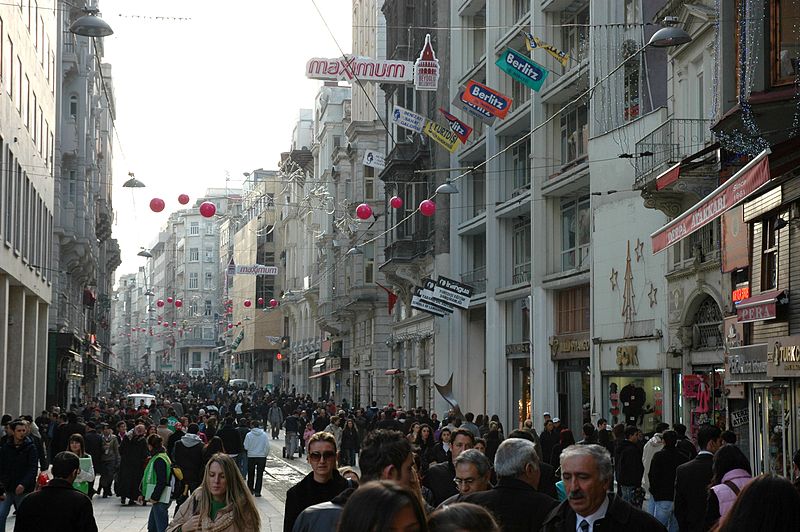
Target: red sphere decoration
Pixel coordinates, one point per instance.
(230, 326)
(279, 356)
(207, 209)
(178, 303)
(260, 301)
(166, 324)
(157, 204)
(363, 211)
(160, 303)
(238, 323)
(169, 300)
(133, 329)
(247, 303)
(396, 202)
(174, 324)
(183, 199)
(427, 207)
(273, 303)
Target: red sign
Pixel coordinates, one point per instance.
(486, 98)
(740, 294)
(764, 311)
(726, 196)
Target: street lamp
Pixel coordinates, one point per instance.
(446, 188)
(144, 253)
(132, 182)
(355, 250)
(90, 25)
(670, 35)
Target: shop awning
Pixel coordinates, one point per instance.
(303, 358)
(323, 373)
(393, 371)
(673, 173)
(761, 307)
(729, 194)
(99, 363)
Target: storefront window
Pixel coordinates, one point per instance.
(634, 400)
(574, 403)
(521, 392)
(703, 396)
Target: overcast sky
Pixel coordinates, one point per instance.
(199, 98)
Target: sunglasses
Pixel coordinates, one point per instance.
(316, 456)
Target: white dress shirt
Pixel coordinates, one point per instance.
(599, 514)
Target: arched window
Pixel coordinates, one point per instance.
(707, 328)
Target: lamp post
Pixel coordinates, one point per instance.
(91, 25)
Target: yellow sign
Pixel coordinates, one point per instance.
(532, 42)
(441, 134)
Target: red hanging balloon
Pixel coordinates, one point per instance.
(396, 202)
(166, 324)
(247, 303)
(427, 207)
(178, 303)
(207, 209)
(169, 300)
(174, 324)
(363, 211)
(260, 301)
(160, 303)
(157, 204)
(238, 323)
(133, 329)
(273, 303)
(183, 199)
(230, 326)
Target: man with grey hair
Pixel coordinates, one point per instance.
(587, 474)
(514, 502)
(473, 473)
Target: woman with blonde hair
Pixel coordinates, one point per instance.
(222, 503)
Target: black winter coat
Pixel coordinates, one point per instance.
(230, 439)
(351, 439)
(620, 516)
(190, 460)
(629, 466)
(309, 492)
(18, 465)
(439, 479)
(133, 457)
(94, 448)
(662, 473)
(58, 506)
(691, 492)
(516, 506)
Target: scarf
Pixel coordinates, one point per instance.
(223, 522)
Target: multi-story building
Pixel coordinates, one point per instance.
(27, 267)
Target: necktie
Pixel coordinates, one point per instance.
(584, 526)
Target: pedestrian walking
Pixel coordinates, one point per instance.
(731, 473)
(155, 484)
(85, 478)
(256, 444)
(692, 480)
(351, 442)
(275, 418)
(18, 466)
(663, 468)
(133, 454)
(109, 461)
(292, 430)
(629, 467)
(383, 505)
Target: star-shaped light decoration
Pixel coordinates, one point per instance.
(639, 249)
(613, 279)
(652, 294)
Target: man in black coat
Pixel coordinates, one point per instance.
(588, 474)
(692, 480)
(439, 478)
(18, 466)
(63, 432)
(547, 476)
(662, 479)
(230, 437)
(629, 465)
(58, 506)
(514, 502)
(93, 442)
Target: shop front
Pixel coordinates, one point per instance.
(570, 353)
(746, 378)
(519, 372)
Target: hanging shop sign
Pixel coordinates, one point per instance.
(760, 307)
(747, 363)
(256, 269)
(732, 192)
(522, 68)
(532, 42)
(443, 135)
(351, 68)
(522, 347)
(741, 293)
(374, 159)
(408, 119)
(488, 99)
(783, 358)
(478, 112)
(459, 128)
(426, 293)
(237, 340)
(424, 305)
(740, 418)
(453, 292)
(426, 68)
(568, 346)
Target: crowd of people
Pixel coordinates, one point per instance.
(204, 445)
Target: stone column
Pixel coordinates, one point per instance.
(4, 315)
(16, 350)
(32, 348)
(42, 358)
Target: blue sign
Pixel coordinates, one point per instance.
(522, 68)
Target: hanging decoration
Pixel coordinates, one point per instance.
(472, 109)
(408, 119)
(459, 128)
(247, 303)
(169, 299)
(183, 199)
(160, 303)
(363, 211)
(532, 42)
(396, 202)
(207, 209)
(350, 68)
(178, 303)
(426, 68)
(443, 135)
(260, 301)
(427, 208)
(157, 204)
(273, 303)
(374, 159)
(523, 69)
(493, 102)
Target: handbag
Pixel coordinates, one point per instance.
(638, 497)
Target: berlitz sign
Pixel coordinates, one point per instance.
(488, 99)
(351, 68)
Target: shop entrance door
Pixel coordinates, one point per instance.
(772, 416)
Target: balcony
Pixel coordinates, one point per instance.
(522, 273)
(475, 278)
(670, 143)
(406, 250)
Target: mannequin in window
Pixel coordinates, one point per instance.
(633, 398)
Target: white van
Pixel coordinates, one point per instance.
(197, 373)
(135, 399)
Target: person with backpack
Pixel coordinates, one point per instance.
(731, 473)
(155, 485)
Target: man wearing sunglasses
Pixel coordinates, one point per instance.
(321, 485)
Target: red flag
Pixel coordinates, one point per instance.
(392, 298)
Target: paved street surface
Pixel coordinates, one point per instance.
(279, 476)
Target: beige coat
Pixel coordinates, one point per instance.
(222, 523)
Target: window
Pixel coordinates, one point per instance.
(35, 105)
(208, 281)
(265, 288)
(193, 308)
(521, 8)
(196, 359)
(193, 280)
(194, 228)
(194, 255)
(207, 308)
(369, 263)
(8, 68)
(769, 255)
(521, 166)
(337, 141)
(412, 226)
(575, 234)
(785, 41)
(208, 254)
(2, 57)
(18, 87)
(630, 80)
(572, 310)
(477, 181)
(700, 246)
(208, 333)
(8, 198)
(73, 107)
(631, 12)
(209, 228)
(574, 134)
(707, 330)
(575, 33)
(18, 209)
(369, 182)
(521, 251)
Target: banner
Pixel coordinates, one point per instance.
(349, 68)
(408, 119)
(441, 134)
(488, 99)
(256, 269)
(374, 159)
(426, 68)
(459, 128)
(535, 42)
(522, 68)
(472, 109)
